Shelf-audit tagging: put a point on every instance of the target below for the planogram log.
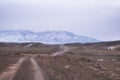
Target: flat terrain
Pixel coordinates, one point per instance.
(6, 61)
(36, 61)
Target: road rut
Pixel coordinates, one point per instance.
(11, 71)
(37, 71)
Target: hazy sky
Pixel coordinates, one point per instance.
(93, 18)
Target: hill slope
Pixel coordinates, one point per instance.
(48, 37)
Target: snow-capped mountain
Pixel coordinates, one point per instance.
(48, 37)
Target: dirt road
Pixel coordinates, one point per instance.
(65, 49)
(25, 69)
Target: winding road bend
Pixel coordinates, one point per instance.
(64, 49)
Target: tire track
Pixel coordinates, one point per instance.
(25, 72)
(11, 71)
(38, 75)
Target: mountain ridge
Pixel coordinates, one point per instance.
(47, 37)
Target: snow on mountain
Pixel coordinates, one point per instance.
(48, 37)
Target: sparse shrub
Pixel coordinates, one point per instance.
(118, 59)
(69, 52)
(85, 59)
(18, 54)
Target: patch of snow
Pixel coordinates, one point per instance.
(111, 48)
(48, 37)
(28, 45)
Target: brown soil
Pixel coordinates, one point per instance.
(84, 68)
(6, 61)
(81, 62)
